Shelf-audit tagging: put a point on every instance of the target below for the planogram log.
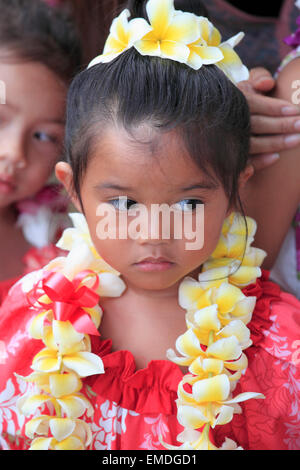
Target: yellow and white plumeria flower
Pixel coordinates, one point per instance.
(213, 345)
(209, 403)
(80, 234)
(205, 50)
(66, 358)
(170, 34)
(58, 370)
(68, 434)
(83, 255)
(231, 64)
(123, 35)
(235, 244)
(208, 49)
(176, 35)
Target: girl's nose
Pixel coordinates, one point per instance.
(154, 229)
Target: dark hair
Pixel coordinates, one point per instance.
(204, 106)
(210, 112)
(36, 32)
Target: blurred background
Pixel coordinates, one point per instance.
(93, 18)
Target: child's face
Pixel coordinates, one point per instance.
(31, 128)
(150, 173)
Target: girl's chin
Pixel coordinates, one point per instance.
(153, 281)
(6, 203)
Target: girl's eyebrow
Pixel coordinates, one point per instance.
(60, 121)
(202, 185)
(112, 186)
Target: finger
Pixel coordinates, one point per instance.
(274, 125)
(267, 106)
(245, 87)
(273, 144)
(261, 79)
(260, 162)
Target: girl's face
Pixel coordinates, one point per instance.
(153, 169)
(31, 128)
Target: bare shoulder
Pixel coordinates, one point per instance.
(288, 82)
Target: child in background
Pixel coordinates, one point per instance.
(154, 120)
(39, 55)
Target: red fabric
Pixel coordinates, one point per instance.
(34, 259)
(5, 286)
(134, 408)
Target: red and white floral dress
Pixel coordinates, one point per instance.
(134, 408)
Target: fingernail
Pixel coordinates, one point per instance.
(272, 158)
(297, 125)
(290, 110)
(263, 79)
(292, 140)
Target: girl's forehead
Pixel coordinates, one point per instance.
(33, 88)
(145, 153)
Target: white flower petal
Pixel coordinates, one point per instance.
(138, 29)
(84, 364)
(61, 428)
(235, 40)
(160, 15)
(120, 26)
(110, 285)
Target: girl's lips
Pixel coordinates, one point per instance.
(150, 266)
(6, 187)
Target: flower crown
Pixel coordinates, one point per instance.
(176, 35)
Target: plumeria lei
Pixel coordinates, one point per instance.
(66, 301)
(176, 35)
(212, 347)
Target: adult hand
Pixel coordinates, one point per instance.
(275, 122)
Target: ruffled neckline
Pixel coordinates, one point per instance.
(152, 389)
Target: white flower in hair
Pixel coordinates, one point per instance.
(123, 34)
(171, 32)
(176, 35)
(208, 49)
(232, 65)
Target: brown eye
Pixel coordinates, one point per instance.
(187, 205)
(44, 137)
(122, 204)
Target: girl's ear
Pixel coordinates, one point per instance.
(64, 174)
(245, 176)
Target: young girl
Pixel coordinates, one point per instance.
(39, 55)
(155, 120)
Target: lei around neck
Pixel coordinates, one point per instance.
(67, 312)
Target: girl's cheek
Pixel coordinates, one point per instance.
(112, 252)
(34, 177)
